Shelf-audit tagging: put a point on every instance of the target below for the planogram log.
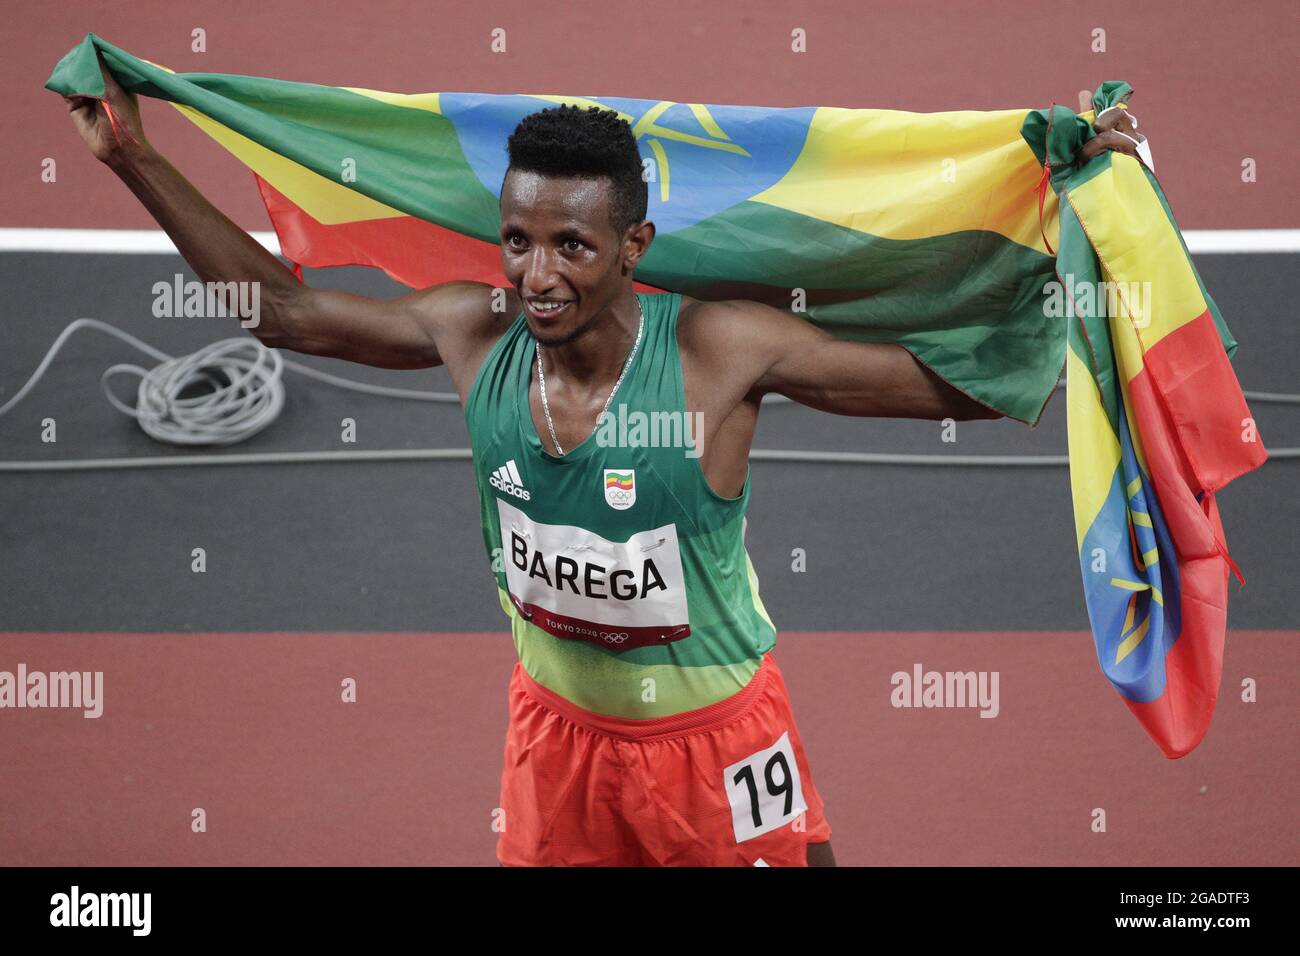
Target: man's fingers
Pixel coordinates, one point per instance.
(85, 105)
(1107, 140)
(1119, 119)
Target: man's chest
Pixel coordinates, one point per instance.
(713, 421)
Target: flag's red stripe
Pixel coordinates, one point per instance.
(1188, 410)
(1198, 390)
(411, 251)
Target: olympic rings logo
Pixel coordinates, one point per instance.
(613, 637)
(617, 494)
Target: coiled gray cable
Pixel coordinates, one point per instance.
(244, 379)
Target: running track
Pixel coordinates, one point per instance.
(223, 689)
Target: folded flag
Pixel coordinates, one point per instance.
(923, 229)
(1157, 424)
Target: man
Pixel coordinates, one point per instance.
(649, 723)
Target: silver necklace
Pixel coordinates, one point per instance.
(541, 380)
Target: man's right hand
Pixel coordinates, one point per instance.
(96, 129)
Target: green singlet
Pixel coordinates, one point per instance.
(624, 574)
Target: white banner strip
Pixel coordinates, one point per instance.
(103, 240)
(156, 241)
(1242, 240)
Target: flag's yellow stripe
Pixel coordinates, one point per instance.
(1136, 243)
(1141, 518)
(1125, 358)
(887, 172)
(415, 101)
(1128, 341)
(1094, 449)
(329, 202)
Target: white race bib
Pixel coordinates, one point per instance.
(575, 584)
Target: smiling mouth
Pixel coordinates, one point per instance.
(546, 311)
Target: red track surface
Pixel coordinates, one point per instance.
(250, 727)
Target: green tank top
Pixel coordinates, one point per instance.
(624, 574)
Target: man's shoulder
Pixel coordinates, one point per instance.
(466, 319)
(465, 316)
(704, 318)
(719, 327)
(465, 303)
(732, 341)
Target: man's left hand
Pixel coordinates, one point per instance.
(1109, 128)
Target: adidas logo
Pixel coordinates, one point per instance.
(506, 478)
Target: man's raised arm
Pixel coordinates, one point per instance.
(399, 333)
(780, 353)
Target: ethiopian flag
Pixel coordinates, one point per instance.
(925, 229)
(1157, 424)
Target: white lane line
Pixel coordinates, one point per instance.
(155, 241)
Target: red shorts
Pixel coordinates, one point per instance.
(725, 785)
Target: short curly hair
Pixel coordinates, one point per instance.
(570, 141)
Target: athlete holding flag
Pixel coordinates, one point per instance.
(649, 723)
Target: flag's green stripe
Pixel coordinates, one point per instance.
(409, 159)
(1077, 259)
(969, 304)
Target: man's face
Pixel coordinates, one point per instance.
(560, 252)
